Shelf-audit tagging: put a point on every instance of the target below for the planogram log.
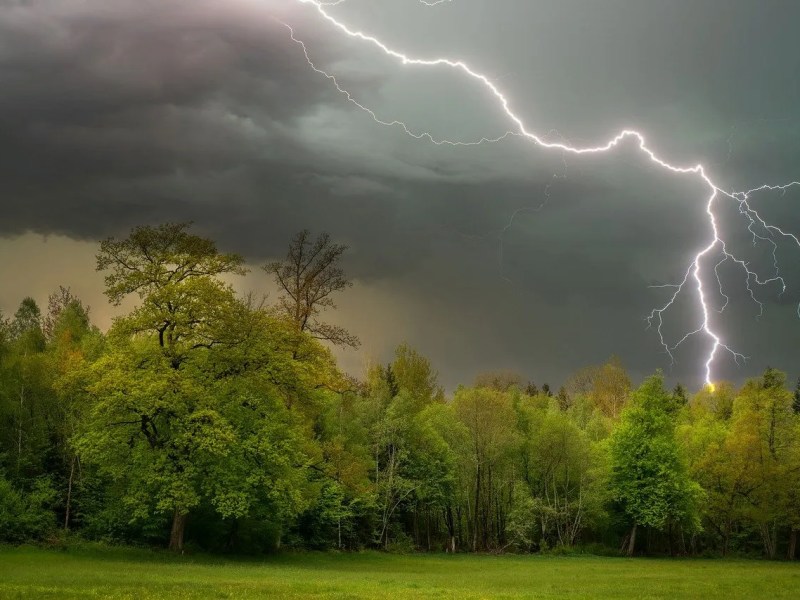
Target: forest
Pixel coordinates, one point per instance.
(204, 420)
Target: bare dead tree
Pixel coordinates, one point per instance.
(309, 276)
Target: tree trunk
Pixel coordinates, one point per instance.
(476, 517)
(428, 527)
(769, 540)
(669, 541)
(792, 544)
(460, 522)
(632, 540)
(69, 494)
(19, 430)
(725, 539)
(178, 527)
(233, 536)
(451, 529)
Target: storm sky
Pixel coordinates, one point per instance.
(499, 256)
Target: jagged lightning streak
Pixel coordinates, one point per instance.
(425, 2)
(716, 243)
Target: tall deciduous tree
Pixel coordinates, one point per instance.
(72, 344)
(57, 303)
(608, 386)
(413, 372)
(27, 325)
(309, 276)
(791, 495)
(565, 476)
(488, 417)
(759, 448)
(156, 422)
(24, 394)
(649, 476)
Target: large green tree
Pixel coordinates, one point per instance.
(649, 475)
(186, 406)
(759, 450)
(488, 417)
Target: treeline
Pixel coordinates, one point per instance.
(218, 421)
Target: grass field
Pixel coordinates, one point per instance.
(124, 573)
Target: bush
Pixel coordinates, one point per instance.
(400, 543)
(26, 516)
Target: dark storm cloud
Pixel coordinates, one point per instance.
(101, 102)
(116, 114)
(112, 116)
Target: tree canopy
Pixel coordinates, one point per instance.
(203, 419)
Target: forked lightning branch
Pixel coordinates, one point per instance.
(701, 277)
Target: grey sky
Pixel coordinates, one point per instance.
(131, 112)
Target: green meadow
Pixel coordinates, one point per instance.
(123, 573)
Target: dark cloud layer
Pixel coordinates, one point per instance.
(507, 256)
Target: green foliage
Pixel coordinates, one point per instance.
(26, 398)
(606, 386)
(487, 462)
(155, 262)
(186, 402)
(413, 373)
(203, 416)
(649, 477)
(177, 437)
(26, 515)
(565, 474)
(26, 328)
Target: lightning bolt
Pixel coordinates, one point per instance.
(716, 245)
(330, 3)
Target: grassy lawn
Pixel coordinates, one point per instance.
(123, 573)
